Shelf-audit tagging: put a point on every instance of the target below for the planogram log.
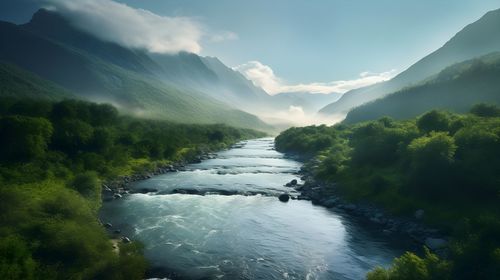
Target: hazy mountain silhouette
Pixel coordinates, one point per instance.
(476, 39)
(456, 88)
(52, 48)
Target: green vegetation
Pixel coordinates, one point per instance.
(456, 88)
(447, 164)
(100, 71)
(53, 157)
(411, 267)
(15, 82)
(475, 40)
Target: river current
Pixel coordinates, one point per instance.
(249, 235)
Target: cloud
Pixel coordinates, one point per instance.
(135, 28)
(263, 76)
(296, 110)
(296, 116)
(223, 36)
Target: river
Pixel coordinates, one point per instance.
(250, 235)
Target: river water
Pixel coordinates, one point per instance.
(247, 235)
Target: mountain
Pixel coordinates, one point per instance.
(237, 89)
(50, 47)
(56, 27)
(18, 83)
(457, 88)
(210, 76)
(476, 39)
(184, 70)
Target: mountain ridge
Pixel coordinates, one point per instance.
(120, 80)
(475, 39)
(456, 88)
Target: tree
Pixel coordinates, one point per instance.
(485, 110)
(431, 158)
(72, 135)
(24, 138)
(71, 109)
(102, 114)
(433, 121)
(15, 259)
(411, 267)
(87, 184)
(102, 139)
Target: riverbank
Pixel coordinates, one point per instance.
(326, 194)
(119, 187)
(439, 170)
(209, 235)
(116, 188)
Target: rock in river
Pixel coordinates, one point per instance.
(284, 197)
(126, 239)
(419, 214)
(329, 203)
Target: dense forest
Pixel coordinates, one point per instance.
(54, 157)
(446, 164)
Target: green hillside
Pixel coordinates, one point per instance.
(94, 72)
(445, 164)
(456, 89)
(17, 83)
(476, 39)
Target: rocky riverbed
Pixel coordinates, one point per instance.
(223, 219)
(322, 193)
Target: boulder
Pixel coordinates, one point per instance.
(145, 190)
(186, 191)
(329, 203)
(284, 197)
(293, 182)
(350, 207)
(419, 214)
(435, 243)
(108, 225)
(126, 239)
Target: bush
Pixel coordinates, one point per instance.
(72, 135)
(485, 110)
(411, 267)
(16, 260)
(24, 138)
(87, 184)
(434, 121)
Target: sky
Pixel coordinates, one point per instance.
(282, 45)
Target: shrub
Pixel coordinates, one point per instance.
(434, 121)
(485, 110)
(24, 138)
(411, 267)
(87, 184)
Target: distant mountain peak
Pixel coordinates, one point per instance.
(476, 39)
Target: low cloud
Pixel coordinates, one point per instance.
(296, 116)
(135, 28)
(223, 36)
(263, 76)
